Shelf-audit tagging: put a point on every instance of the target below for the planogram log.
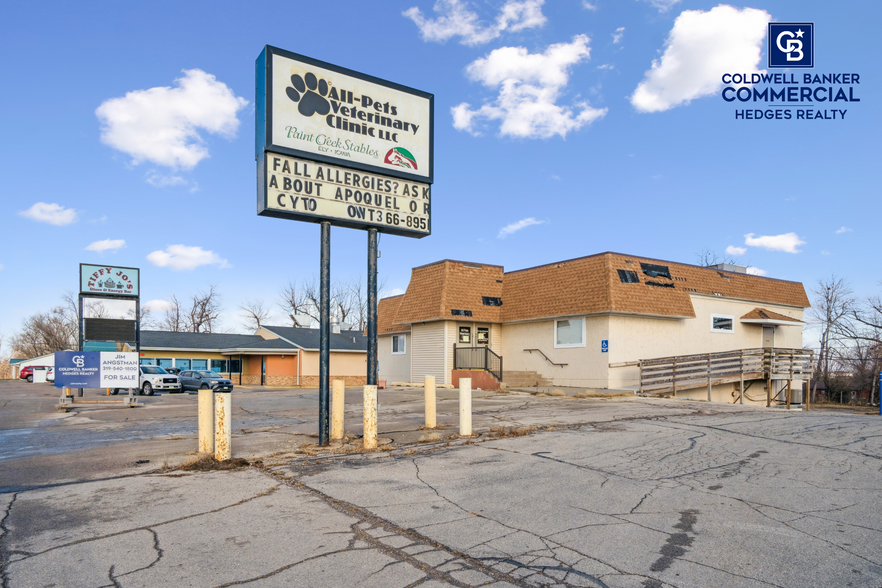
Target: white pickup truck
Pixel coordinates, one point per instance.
(155, 378)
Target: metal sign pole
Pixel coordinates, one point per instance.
(372, 309)
(80, 333)
(325, 335)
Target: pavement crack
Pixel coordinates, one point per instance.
(112, 578)
(4, 533)
(150, 527)
(156, 548)
(283, 568)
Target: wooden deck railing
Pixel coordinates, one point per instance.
(682, 372)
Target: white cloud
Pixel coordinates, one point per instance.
(529, 85)
(515, 227)
(700, 48)
(788, 242)
(183, 257)
(755, 271)
(157, 306)
(53, 214)
(732, 250)
(106, 245)
(606, 66)
(663, 5)
(588, 5)
(617, 36)
(843, 230)
(161, 124)
(158, 180)
(455, 19)
(824, 252)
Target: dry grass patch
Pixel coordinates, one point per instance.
(207, 463)
(429, 437)
(557, 393)
(504, 432)
(580, 395)
(542, 395)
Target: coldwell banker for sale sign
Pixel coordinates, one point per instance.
(96, 369)
(338, 145)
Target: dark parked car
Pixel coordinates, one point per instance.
(204, 380)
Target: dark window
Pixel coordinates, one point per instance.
(235, 366)
(628, 277)
(219, 365)
(458, 312)
(659, 285)
(656, 271)
(491, 300)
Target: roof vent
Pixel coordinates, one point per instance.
(458, 312)
(491, 300)
(335, 325)
(728, 267)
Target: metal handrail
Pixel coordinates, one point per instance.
(478, 358)
(542, 353)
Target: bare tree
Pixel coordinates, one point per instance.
(255, 313)
(43, 333)
(144, 318)
(173, 317)
(832, 305)
(707, 257)
(293, 300)
(203, 315)
(95, 309)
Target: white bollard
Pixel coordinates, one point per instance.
(223, 426)
(206, 421)
(465, 407)
(337, 400)
(370, 417)
(431, 421)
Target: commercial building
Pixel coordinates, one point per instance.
(589, 322)
(273, 356)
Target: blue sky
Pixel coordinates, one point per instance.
(554, 138)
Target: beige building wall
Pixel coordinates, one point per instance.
(635, 337)
(586, 366)
(394, 368)
(341, 364)
(429, 354)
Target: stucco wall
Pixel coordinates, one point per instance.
(586, 366)
(394, 368)
(635, 338)
(341, 364)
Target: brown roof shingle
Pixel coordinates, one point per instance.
(387, 310)
(585, 285)
(762, 313)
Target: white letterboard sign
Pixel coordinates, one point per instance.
(375, 137)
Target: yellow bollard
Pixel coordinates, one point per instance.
(337, 400)
(465, 406)
(431, 421)
(370, 417)
(206, 421)
(223, 426)
(108, 392)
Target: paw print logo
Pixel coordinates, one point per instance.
(309, 94)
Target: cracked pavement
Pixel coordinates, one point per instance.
(622, 493)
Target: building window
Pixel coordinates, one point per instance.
(200, 364)
(235, 366)
(148, 361)
(491, 300)
(569, 333)
(219, 366)
(465, 335)
(483, 336)
(399, 344)
(458, 312)
(183, 364)
(628, 277)
(722, 323)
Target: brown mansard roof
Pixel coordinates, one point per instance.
(387, 309)
(585, 285)
(762, 313)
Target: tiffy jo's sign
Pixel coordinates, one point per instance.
(109, 280)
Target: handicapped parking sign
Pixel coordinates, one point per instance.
(604, 346)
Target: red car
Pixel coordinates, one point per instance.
(27, 373)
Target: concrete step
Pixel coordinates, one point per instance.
(520, 379)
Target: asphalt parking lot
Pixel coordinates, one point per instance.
(572, 492)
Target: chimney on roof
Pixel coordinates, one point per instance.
(728, 267)
(335, 325)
